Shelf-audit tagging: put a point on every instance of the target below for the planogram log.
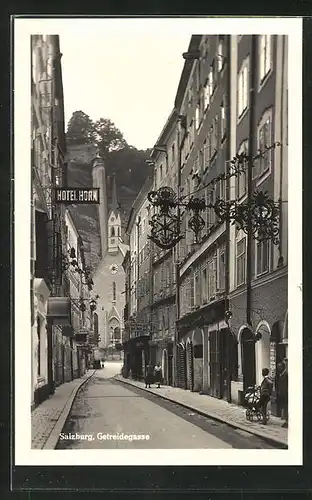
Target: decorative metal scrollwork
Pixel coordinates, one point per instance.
(165, 224)
(196, 222)
(258, 216)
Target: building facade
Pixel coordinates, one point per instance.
(54, 319)
(226, 290)
(165, 156)
(48, 170)
(258, 271)
(137, 265)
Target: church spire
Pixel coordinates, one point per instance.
(99, 180)
(114, 194)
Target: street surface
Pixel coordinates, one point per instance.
(105, 409)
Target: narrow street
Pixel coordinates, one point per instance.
(105, 406)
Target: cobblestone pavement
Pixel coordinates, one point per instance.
(45, 416)
(219, 409)
(108, 415)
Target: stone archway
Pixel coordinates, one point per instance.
(262, 349)
(197, 342)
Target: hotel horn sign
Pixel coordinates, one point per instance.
(86, 196)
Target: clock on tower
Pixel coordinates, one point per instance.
(113, 269)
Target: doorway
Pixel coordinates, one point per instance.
(248, 358)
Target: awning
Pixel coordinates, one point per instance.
(59, 310)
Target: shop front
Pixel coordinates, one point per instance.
(40, 386)
(136, 357)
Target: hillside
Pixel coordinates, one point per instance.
(130, 169)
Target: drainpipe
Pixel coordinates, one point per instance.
(252, 87)
(227, 224)
(138, 271)
(177, 265)
(227, 190)
(280, 244)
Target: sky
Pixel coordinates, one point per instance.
(130, 79)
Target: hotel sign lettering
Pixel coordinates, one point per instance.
(77, 195)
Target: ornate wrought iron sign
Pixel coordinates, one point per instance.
(259, 215)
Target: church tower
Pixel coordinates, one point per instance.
(99, 180)
(114, 222)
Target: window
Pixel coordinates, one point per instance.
(241, 179)
(212, 277)
(114, 291)
(191, 288)
(201, 161)
(197, 116)
(113, 231)
(223, 119)
(190, 96)
(206, 95)
(204, 285)
(241, 261)
(221, 270)
(191, 135)
(160, 173)
(262, 256)
(38, 346)
(208, 143)
(197, 290)
(264, 142)
(265, 56)
(211, 216)
(221, 189)
(173, 153)
(243, 87)
(220, 54)
(214, 138)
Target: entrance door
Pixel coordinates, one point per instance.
(227, 342)
(182, 375)
(215, 364)
(248, 358)
(170, 364)
(190, 366)
(165, 367)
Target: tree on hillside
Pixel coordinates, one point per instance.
(108, 137)
(130, 167)
(80, 129)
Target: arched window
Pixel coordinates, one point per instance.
(118, 229)
(113, 231)
(114, 291)
(96, 323)
(39, 346)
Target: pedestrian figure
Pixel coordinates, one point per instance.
(266, 389)
(149, 375)
(158, 374)
(282, 391)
